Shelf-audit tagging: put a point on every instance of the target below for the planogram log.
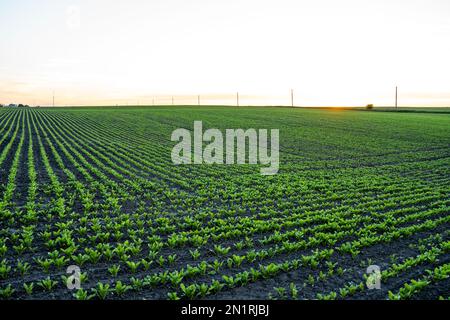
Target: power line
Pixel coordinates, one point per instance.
(396, 97)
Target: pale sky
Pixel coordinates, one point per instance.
(348, 52)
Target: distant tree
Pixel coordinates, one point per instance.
(369, 107)
(20, 105)
(1, 105)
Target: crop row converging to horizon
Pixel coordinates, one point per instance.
(96, 188)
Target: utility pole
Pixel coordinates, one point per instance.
(172, 100)
(292, 97)
(198, 99)
(237, 99)
(396, 98)
(53, 98)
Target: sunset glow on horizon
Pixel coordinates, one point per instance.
(346, 53)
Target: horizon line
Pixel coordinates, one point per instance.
(220, 105)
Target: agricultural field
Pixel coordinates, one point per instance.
(96, 188)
